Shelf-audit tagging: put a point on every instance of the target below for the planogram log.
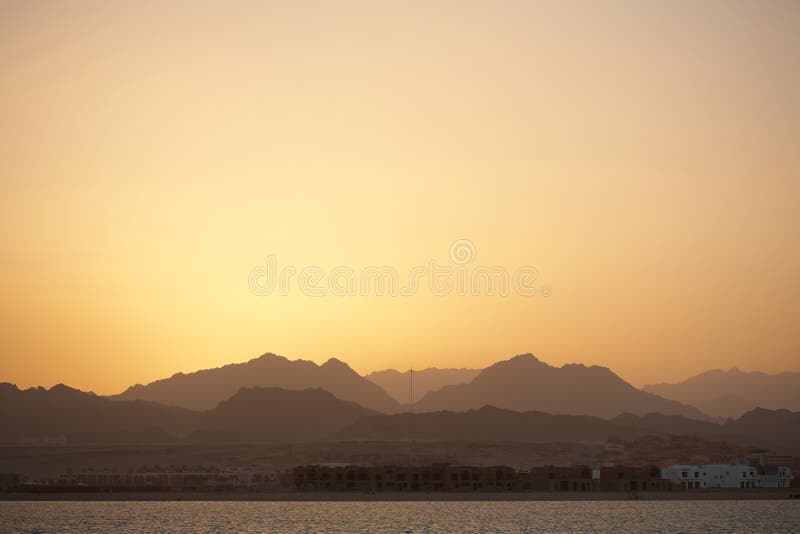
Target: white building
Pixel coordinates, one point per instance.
(731, 476)
(775, 476)
(712, 476)
(688, 476)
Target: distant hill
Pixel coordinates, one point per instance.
(65, 413)
(524, 383)
(397, 384)
(252, 415)
(271, 414)
(732, 393)
(203, 390)
(485, 424)
(658, 424)
(495, 424)
(266, 415)
(777, 430)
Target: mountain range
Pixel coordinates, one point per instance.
(521, 383)
(525, 383)
(777, 430)
(732, 393)
(254, 415)
(398, 384)
(277, 415)
(273, 399)
(205, 389)
(270, 415)
(61, 411)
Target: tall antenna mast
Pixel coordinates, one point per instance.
(411, 394)
(411, 419)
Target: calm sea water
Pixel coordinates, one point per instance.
(197, 517)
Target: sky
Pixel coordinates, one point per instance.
(642, 157)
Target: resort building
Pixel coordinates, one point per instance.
(775, 476)
(465, 478)
(624, 478)
(712, 476)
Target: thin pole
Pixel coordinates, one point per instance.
(411, 394)
(411, 419)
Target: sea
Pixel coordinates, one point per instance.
(400, 517)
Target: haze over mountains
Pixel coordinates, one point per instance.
(732, 393)
(203, 390)
(273, 415)
(61, 411)
(777, 429)
(524, 383)
(521, 383)
(272, 399)
(254, 415)
(261, 415)
(397, 384)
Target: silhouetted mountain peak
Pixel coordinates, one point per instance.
(591, 368)
(204, 389)
(37, 413)
(758, 411)
(519, 362)
(264, 414)
(523, 358)
(525, 383)
(65, 391)
(336, 364)
(268, 357)
(733, 392)
(8, 387)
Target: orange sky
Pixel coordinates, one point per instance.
(643, 156)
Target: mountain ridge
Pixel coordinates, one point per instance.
(257, 415)
(733, 392)
(206, 388)
(275, 415)
(397, 383)
(524, 383)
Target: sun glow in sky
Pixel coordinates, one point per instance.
(642, 156)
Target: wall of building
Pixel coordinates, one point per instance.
(739, 476)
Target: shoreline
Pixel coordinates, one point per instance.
(295, 496)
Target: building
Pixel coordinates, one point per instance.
(434, 477)
(471, 478)
(195, 479)
(466, 478)
(776, 459)
(712, 476)
(774, 476)
(552, 478)
(625, 478)
(687, 476)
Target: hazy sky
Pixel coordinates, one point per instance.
(642, 156)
